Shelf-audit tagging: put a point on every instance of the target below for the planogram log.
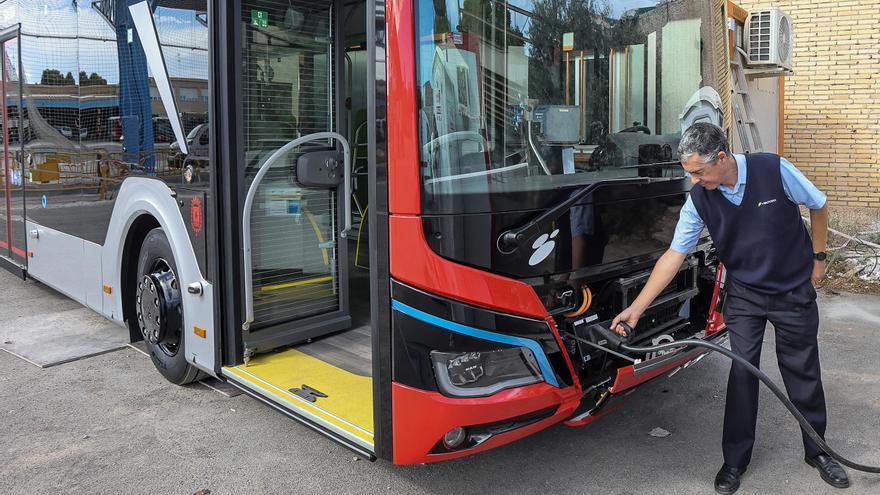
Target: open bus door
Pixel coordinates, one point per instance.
(290, 218)
(13, 245)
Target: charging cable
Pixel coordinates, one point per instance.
(616, 342)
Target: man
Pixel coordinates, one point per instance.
(749, 203)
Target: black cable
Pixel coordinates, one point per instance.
(805, 425)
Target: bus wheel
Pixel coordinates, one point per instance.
(159, 309)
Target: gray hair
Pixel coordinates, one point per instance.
(703, 139)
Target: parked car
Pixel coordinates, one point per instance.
(196, 141)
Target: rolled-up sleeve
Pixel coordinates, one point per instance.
(688, 229)
(798, 188)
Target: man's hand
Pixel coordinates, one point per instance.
(630, 316)
(818, 272)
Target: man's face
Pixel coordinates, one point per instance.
(708, 175)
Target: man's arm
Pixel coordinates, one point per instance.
(819, 224)
(664, 271)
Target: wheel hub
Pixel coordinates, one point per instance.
(158, 307)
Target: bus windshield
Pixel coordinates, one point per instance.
(529, 96)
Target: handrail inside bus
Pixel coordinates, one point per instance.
(249, 203)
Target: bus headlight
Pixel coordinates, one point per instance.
(481, 373)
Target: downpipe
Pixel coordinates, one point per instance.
(612, 342)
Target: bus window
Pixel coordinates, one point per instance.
(526, 96)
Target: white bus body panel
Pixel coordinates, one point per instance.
(59, 260)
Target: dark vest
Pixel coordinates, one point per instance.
(763, 242)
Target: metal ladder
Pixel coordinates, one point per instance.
(741, 101)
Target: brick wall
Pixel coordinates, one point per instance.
(832, 102)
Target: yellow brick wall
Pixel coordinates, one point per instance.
(832, 102)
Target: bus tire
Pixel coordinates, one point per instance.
(159, 309)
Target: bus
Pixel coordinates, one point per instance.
(407, 217)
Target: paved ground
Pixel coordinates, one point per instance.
(111, 424)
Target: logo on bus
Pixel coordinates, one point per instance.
(543, 246)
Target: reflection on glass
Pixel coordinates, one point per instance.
(533, 95)
(608, 232)
(12, 232)
(91, 115)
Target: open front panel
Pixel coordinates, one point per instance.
(288, 93)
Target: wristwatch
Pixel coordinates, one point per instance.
(820, 256)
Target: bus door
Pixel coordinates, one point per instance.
(13, 245)
(300, 350)
(296, 160)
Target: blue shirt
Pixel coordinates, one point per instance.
(798, 189)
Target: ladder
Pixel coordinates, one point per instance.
(743, 113)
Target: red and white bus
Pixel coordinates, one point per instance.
(403, 210)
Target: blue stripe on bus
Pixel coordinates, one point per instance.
(543, 362)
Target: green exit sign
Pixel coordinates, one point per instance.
(259, 18)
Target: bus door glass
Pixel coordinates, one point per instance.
(289, 67)
(12, 229)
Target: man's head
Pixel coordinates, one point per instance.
(705, 155)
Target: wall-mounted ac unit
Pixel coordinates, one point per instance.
(768, 39)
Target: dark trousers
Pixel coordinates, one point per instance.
(795, 318)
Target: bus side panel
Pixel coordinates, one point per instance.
(57, 260)
(66, 263)
(92, 276)
(146, 196)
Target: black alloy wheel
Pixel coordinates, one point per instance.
(159, 309)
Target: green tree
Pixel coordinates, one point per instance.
(590, 22)
(491, 20)
(95, 79)
(91, 80)
(52, 77)
(441, 19)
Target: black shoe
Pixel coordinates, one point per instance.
(727, 479)
(832, 472)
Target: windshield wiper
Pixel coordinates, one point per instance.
(510, 240)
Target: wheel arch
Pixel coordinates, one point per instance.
(134, 239)
(143, 204)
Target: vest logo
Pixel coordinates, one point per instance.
(543, 246)
(765, 203)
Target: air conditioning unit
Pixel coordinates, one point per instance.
(768, 39)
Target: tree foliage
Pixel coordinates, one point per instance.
(92, 79)
(54, 77)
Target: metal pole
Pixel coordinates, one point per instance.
(567, 89)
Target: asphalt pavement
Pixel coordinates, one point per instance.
(111, 424)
